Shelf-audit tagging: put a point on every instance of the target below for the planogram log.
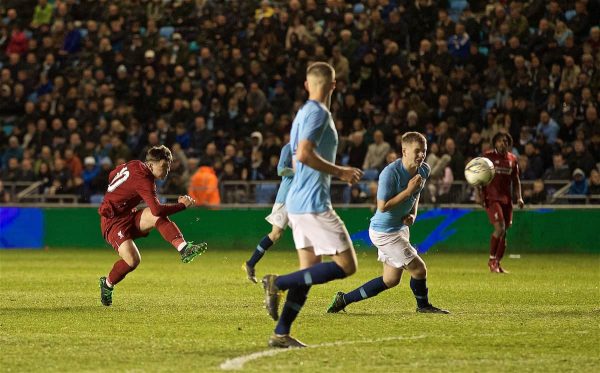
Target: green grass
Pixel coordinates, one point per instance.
(168, 316)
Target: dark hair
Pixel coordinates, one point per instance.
(500, 135)
(158, 153)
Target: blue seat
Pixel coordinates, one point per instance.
(8, 129)
(345, 159)
(96, 198)
(569, 14)
(166, 32)
(459, 5)
(265, 193)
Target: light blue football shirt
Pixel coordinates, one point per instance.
(284, 168)
(392, 180)
(310, 190)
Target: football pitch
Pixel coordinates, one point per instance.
(205, 316)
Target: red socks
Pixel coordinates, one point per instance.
(169, 231)
(119, 271)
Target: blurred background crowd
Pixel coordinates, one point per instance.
(89, 84)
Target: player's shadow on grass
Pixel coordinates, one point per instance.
(357, 314)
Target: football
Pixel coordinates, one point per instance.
(479, 171)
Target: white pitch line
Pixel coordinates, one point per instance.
(238, 362)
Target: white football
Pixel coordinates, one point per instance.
(479, 171)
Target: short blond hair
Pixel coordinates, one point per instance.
(321, 70)
(412, 137)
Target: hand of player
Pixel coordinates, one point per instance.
(414, 184)
(186, 200)
(408, 220)
(521, 203)
(350, 175)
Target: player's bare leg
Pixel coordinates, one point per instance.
(418, 285)
(130, 259)
(495, 242)
(347, 261)
(170, 233)
(391, 275)
(259, 252)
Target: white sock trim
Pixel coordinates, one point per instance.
(181, 246)
(108, 283)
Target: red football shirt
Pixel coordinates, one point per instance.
(507, 172)
(129, 184)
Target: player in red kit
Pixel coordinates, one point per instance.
(496, 197)
(121, 223)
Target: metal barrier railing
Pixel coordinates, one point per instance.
(263, 193)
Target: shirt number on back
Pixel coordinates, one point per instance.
(119, 179)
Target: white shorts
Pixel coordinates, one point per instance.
(324, 231)
(394, 248)
(278, 216)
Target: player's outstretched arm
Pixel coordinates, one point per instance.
(307, 155)
(159, 209)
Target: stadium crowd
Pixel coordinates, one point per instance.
(88, 84)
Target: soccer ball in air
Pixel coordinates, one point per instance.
(479, 171)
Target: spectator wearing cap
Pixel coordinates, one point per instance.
(579, 185)
(149, 89)
(89, 174)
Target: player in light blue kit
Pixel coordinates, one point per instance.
(400, 185)
(278, 217)
(317, 229)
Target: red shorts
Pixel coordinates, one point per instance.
(498, 212)
(122, 228)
